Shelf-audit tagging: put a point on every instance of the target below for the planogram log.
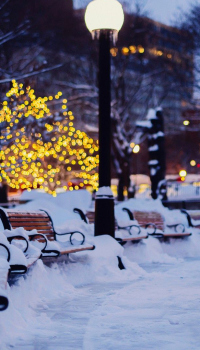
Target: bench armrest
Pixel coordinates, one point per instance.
(81, 214)
(177, 227)
(129, 227)
(153, 231)
(7, 250)
(32, 237)
(20, 237)
(71, 235)
(129, 212)
(184, 211)
(3, 301)
(152, 226)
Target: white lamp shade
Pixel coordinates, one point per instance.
(104, 14)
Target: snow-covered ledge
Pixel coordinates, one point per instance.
(104, 192)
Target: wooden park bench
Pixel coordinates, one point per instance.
(154, 223)
(16, 258)
(129, 235)
(41, 230)
(4, 270)
(12, 263)
(3, 289)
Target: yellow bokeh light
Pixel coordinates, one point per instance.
(27, 163)
(125, 51)
(136, 149)
(193, 163)
(182, 173)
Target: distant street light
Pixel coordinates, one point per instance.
(182, 173)
(104, 18)
(136, 149)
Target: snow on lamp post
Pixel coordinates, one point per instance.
(104, 19)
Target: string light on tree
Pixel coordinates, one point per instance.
(42, 148)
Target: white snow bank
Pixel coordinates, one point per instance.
(34, 194)
(147, 301)
(42, 284)
(67, 200)
(149, 251)
(74, 199)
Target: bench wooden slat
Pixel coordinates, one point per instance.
(25, 219)
(91, 218)
(31, 226)
(145, 218)
(27, 214)
(75, 249)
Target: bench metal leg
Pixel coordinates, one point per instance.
(120, 264)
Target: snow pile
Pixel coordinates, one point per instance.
(74, 199)
(90, 301)
(43, 284)
(34, 194)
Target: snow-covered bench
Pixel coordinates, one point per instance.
(42, 234)
(4, 269)
(154, 223)
(124, 231)
(18, 260)
(12, 262)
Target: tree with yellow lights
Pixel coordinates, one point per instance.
(41, 148)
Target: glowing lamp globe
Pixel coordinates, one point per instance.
(104, 15)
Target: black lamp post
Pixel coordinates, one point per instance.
(104, 18)
(104, 109)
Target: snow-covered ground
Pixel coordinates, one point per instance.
(88, 303)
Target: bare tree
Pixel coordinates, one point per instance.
(20, 57)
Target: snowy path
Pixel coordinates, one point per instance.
(158, 310)
(70, 319)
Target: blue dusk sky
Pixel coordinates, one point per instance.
(165, 11)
